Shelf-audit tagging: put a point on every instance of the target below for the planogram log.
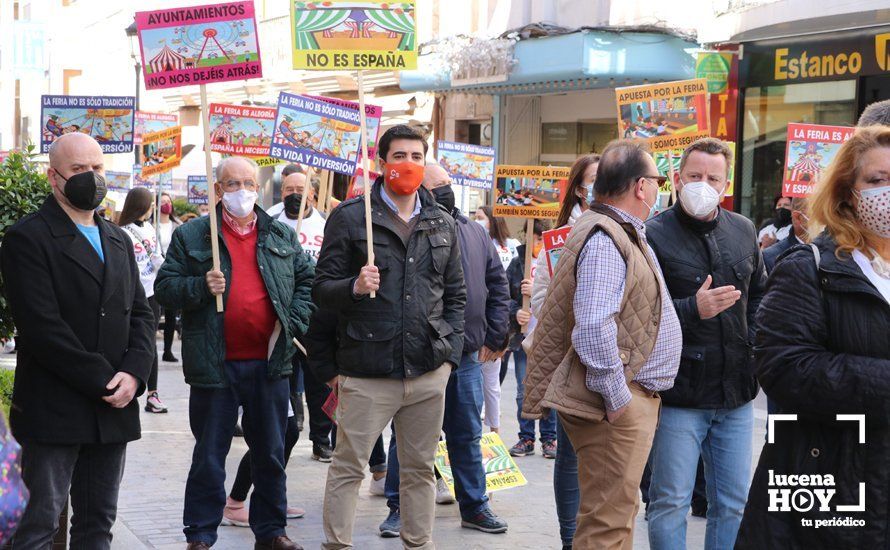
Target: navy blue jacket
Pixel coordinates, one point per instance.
(486, 316)
(772, 253)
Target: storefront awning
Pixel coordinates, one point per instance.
(582, 60)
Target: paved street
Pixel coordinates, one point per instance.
(151, 496)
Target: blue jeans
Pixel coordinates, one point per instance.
(213, 413)
(722, 437)
(547, 426)
(463, 431)
(565, 486)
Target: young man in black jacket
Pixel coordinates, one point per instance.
(85, 347)
(714, 272)
(485, 330)
(395, 351)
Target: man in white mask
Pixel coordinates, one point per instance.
(715, 274)
(241, 357)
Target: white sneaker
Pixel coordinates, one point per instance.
(443, 495)
(378, 487)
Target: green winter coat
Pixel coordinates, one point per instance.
(180, 284)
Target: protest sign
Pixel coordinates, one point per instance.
(373, 114)
(529, 191)
(810, 149)
(714, 67)
(161, 151)
(350, 35)
(241, 130)
(315, 133)
(142, 181)
(109, 120)
(263, 162)
(554, 242)
(501, 471)
(197, 190)
(117, 181)
(667, 116)
(468, 165)
(198, 45)
(152, 122)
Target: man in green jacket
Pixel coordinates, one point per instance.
(241, 357)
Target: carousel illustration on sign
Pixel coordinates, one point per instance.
(345, 34)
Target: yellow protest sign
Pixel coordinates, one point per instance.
(501, 471)
(667, 116)
(262, 162)
(529, 191)
(351, 35)
(161, 151)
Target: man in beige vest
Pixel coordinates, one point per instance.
(607, 342)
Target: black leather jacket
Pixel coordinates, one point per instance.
(416, 322)
(716, 362)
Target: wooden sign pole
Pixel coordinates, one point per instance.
(671, 175)
(309, 172)
(211, 191)
(529, 256)
(322, 192)
(363, 137)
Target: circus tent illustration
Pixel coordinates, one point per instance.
(808, 167)
(167, 60)
(385, 26)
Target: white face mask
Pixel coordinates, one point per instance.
(699, 199)
(483, 223)
(240, 203)
(873, 210)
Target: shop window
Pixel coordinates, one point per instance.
(766, 114)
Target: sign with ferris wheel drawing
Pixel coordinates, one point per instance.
(354, 35)
(199, 45)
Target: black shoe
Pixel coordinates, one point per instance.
(321, 453)
(238, 431)
(168, 357)
(392, 525)
(700, 511)
(485, 521)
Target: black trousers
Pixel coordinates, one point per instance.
(91, 473)
(317, 391)
(169, 329)
(153, 375)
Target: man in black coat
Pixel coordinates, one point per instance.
(85, 348)
(485, 330)
(797, 235)
(714, 271)
(396, 350)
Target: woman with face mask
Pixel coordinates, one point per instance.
(167, 222)
(134, 219)
(823, 350)
(579, 197)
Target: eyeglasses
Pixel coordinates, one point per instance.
(660, 179)
(235, 185)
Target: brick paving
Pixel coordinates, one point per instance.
(150, 514)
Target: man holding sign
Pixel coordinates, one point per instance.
(396, 350)
(241, 357)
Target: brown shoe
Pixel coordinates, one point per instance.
(198, 546)
(278, 543)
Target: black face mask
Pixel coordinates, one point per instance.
(292, 205)
(86, 190)
(445, 196)
(783, 217)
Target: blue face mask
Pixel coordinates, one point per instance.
(589, 196)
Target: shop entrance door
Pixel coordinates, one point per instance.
(871, 89)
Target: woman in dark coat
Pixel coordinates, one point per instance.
(823, 349)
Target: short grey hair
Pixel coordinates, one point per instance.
(224, 163)
(877, 113)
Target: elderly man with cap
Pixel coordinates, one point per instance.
(241, 357)
(85, 348)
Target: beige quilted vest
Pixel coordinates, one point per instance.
(555, 377)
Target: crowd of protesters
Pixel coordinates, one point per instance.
(636, 364)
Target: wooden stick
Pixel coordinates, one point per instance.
(329, 191)
(671, 174)
(363, 137)
(529, 256)
(211, 191)
(306, 186)
(322, 192)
